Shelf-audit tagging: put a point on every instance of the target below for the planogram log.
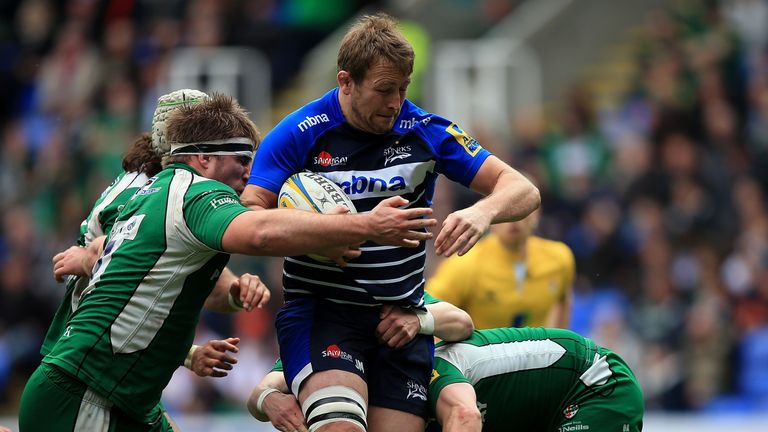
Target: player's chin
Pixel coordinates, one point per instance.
(382, 124)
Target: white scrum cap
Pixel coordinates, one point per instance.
(165, 104)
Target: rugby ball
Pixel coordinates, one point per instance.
(312, 192)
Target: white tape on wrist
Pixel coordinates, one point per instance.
(188, 360)
(426, 322)
(234, 303)
(262, 396)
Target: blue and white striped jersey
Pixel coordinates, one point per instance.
(369, 167)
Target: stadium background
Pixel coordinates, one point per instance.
(644, 123)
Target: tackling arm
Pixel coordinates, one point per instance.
(233, 293)
(287, 232)
(398, 326)
(76, 260)
(272, 401)
(457, 409)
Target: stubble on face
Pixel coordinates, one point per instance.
(375, 102)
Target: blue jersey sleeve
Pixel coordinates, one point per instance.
(284, 150)
(459, 156)
(278, 157)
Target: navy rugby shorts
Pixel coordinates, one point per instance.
(317, 335)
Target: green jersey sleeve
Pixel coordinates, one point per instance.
(443, 374)
(210, 212)
(278, 367)
(428, 299)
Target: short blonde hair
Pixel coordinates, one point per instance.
(370, 40)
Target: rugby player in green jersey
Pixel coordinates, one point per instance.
(506, 379)
(142, 161)
(136, 319)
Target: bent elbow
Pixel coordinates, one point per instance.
(467, 326)
(534, 198)
(469, 415)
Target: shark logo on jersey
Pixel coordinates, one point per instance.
(416, 391)
(392, 154)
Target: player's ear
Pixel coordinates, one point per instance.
(203, 160)
(345, 80)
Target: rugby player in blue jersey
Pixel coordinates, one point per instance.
(368, 138)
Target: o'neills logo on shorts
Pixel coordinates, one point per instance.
(325, 159)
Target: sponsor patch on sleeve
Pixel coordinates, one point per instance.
(469, 144)
(222, 201)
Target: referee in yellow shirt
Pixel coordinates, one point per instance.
(511, 278)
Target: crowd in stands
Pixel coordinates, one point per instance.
(663, 198)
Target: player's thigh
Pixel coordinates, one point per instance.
(120, 422)
(616, 406)
(390, 420)
(50, 402)
(398, 378)
(317, 336)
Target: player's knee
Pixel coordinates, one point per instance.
(339, 407)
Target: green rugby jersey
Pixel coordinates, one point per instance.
(137, 317)
(99, 222)
(522, 375)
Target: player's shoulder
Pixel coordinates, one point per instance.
(313, 118)
(413, 117)
(436, 130)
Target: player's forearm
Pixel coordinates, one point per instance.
(285, 232)
(251, 404)
(257, 198)
(271, 382)
(218, 299)
(463, 419)
(94, 251)
(513, 198)
(451, 323)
